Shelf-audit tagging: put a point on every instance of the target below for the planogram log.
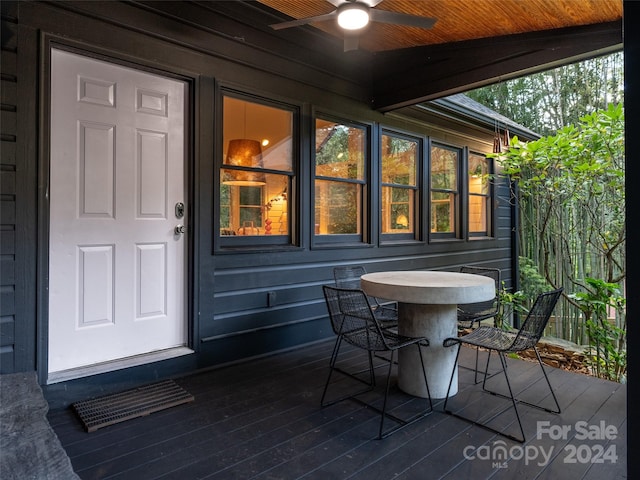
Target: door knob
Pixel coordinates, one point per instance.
(180, 229)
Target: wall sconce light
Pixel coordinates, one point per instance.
(243, 153)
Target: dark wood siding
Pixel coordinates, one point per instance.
(8, 196)
(232, 318)
(17, 208)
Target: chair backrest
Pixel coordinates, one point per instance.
(488, 307)
(352, 318)
(348, 277)
(536, 321)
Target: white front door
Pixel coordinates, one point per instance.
(116, 266)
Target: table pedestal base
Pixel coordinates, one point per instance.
(435, 322)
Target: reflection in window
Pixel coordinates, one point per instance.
(257, 169)
(444, 189)
(479, 195)
(399, 161)
(340, 178)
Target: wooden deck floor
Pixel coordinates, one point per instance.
(262, 420)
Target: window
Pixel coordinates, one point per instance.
(480, 169)
(445, 163)
(339, 179)
(399, 190)
(256, 173)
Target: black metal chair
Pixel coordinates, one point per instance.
(353, 321)
(349, 277)
(503, 342)
(471, 313)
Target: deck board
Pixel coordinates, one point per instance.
(262, 419)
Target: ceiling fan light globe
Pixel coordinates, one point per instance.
(353, 16)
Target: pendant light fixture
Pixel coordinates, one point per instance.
(244, 152)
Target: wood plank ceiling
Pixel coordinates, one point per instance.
(459, 20)
(473, 43)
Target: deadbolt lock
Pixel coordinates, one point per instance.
(179, 210)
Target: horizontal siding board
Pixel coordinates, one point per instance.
(264, 319)
(7, 242)
(7, 212)
(7, 302)
(8, 122)
(257, 343)
(7, 364)
(8, 153)
(8, 93)
(8, 61)
(7, 182)
(9, 35)
(7, 270)
(7, 330)
(249, 300)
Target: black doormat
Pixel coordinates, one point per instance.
(137, 402)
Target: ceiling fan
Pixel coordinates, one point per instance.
(354, 15)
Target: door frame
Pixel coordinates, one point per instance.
(48, 43)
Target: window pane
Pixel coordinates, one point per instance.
(257, 139)
(255, 209)
(399, 160)
(397, 210)
(340, 150)
(478, 214)
(337, 207)
(478, 174)
(444, 168)
(479, 194)
(399, 167)
(257, 136)
(442, 212)
(445, 164)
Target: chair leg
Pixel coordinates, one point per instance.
(386, 395)
(475, 376)
(475, 368)
(548, 383)
(332, 366)
(503, 361)
(453, 372)
(514, 400)
(402, 422)
(484, 425)
(539, 407)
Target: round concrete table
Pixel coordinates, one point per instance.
(427, 307)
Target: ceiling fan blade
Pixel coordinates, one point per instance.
(304, 21)
(350, 42)
(385, 16)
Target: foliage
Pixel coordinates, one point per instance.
(547, 101)
(606, 353)
(532, 283)
(569, 187)
(509, 303)
(570, 191)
